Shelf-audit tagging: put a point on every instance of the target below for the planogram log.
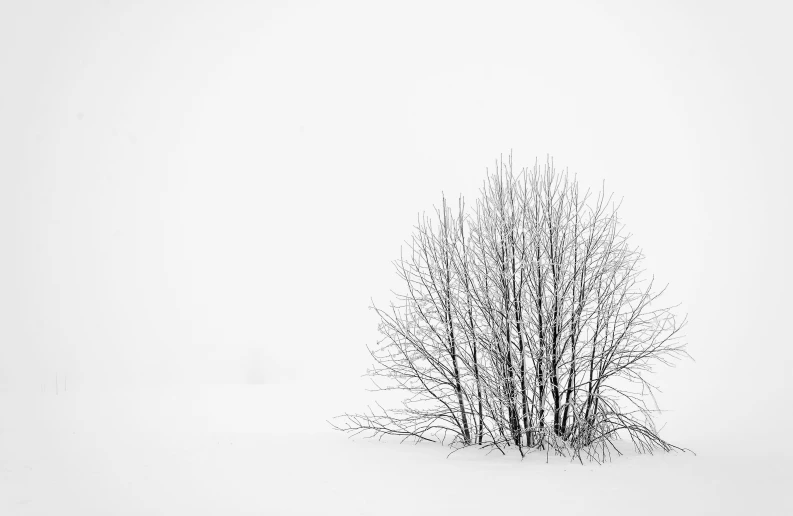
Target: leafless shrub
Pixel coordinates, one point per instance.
(524, 322)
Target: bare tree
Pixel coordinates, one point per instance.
(525, 322)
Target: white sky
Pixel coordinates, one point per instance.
(212, 191)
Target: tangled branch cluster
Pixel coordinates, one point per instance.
(525, 322)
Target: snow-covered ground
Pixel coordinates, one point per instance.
(267, 450)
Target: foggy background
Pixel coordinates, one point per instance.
(198, 193)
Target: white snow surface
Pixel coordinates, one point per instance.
(262, 449)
